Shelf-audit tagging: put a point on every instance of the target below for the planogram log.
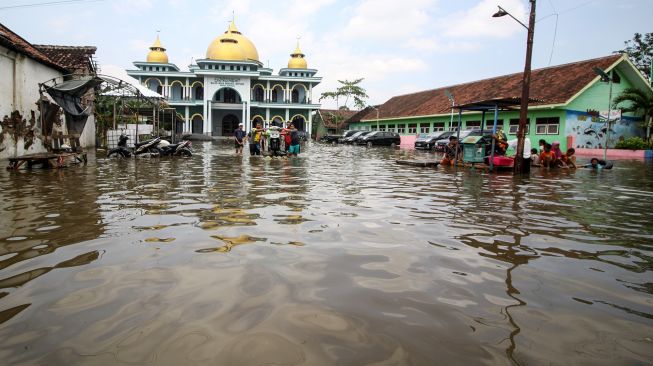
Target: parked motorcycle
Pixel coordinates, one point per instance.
(122, 151)
(182, 148)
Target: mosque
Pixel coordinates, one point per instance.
(232, 86)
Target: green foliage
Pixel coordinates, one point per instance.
(640, 51)
(348, 89)
(639, 102)
(632, 143)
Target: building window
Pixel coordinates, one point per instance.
(412, 128)
(438, 126)
(424, 128)
(453, 128)
(381, 127)
(391, 128)
(514, 126)
(547, 126)
(373, 128)
(401, 128)
(473, 125)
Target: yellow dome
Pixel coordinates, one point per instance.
(232, 46)
(157, 53)
(297, 60)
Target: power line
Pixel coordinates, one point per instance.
(48, 3)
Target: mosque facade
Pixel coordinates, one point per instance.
(232, 86)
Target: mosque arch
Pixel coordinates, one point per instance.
(176, 90)
(277, 94)
(258, 93)
(197, 123)
(154, 84)
(297, 94)
(256, 120)
(227, 95)
(299, 121)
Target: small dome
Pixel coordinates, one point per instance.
(297, 60)
(157, 53)
(232, 46)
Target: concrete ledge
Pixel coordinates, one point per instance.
(617, 153)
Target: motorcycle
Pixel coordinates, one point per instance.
(122, 151)
(182, 148)
(275, 141)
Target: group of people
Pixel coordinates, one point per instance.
(257, 136)
(550, 156)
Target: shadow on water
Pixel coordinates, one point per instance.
(338, 256)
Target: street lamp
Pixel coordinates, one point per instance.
(519, 167)
(606, 78)
(377, 116)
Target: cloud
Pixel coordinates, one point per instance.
(131, 7)
(478, 22)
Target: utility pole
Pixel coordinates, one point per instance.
(526, 83)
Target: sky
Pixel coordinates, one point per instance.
(397, 46)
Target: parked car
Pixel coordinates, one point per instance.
(330, 139)
(352, 139)
(443, 141)
(347, 134)
(380, 138)
(427, 141)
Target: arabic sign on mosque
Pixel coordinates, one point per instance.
(225, 81)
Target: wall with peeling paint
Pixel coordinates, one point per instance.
(19, 94)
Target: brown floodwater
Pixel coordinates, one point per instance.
(337, 257)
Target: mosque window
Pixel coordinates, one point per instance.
(231, 67)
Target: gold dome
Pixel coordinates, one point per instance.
(157, 53)
(232, 46)
(297, 60)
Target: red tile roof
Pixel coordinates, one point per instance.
(328, 117)
(552, 85)
(16, 43)
(73, 58)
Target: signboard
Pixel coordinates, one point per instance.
(615, 114)
(222, 81)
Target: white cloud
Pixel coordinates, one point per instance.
(478, 22)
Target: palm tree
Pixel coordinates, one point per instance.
(640, 103)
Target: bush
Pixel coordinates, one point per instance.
(632, 143)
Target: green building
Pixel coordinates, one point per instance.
(569, 97)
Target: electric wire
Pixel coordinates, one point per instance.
(48, 3)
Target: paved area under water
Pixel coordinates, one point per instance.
(339, 256)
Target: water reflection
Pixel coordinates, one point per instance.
(339, 256)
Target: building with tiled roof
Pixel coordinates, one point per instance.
(75, 59)
(566, 97)
(24, 66)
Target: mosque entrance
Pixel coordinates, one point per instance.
(229, 125)
(197, 125)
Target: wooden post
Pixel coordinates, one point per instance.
(526, 83)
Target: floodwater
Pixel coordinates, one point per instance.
(337, 257)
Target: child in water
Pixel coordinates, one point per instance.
(548, 157)
(535, 158)
(569, 159)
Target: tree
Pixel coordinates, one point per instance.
(348, 90)
(641, 103)
(640, 52)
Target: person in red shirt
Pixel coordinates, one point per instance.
(286, 136)
(548, 157)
